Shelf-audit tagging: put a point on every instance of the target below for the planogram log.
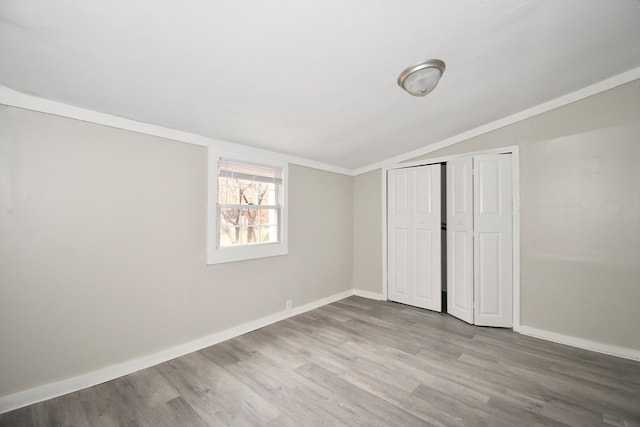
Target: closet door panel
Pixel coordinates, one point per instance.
(460, 275)
(399, 235)
(460, 239)
(426, 227)
(493, 281)
(423, 267)
(399, 270)
(488, 269)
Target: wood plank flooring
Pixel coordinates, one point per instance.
(359, 362)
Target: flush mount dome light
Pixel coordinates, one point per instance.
(421, 78)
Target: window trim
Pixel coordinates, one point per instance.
(216, 255)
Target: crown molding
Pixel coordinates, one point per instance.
(18, 99)
(594, 89)
(25, 101)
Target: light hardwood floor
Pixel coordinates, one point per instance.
(362, 362)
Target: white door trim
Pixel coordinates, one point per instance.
(515, 170)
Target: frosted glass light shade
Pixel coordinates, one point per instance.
(421, 78)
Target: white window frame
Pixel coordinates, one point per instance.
(219, 255)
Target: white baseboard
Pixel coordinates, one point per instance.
(90, 379)
(70, 385)
(368, 294)
(315, 304)
(612, 350)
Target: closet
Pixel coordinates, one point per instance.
(478, 251)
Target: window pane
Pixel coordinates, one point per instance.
(251, 216)
(230, 227)
(262, 225)
(248, 226)
(229, 191)
(270, 233)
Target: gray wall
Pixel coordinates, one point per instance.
(102, 248)
(580, 215)
(367, 238)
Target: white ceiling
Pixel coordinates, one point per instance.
(316, 78)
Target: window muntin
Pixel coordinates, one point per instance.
(249, 204)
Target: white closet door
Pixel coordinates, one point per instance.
(399, 234)
(493, 266)
(413, 221)
(427, 284)
(460, 239)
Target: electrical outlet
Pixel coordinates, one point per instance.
(287, 305)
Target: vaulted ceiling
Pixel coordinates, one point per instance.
(315, 78)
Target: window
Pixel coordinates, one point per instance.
(248, 203)
(247, 215)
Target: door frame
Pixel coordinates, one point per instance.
(515, 172)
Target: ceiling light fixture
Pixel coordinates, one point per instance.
(421, 78)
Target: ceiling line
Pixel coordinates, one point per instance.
(602, 86)
(18, 99)
(25, 101)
